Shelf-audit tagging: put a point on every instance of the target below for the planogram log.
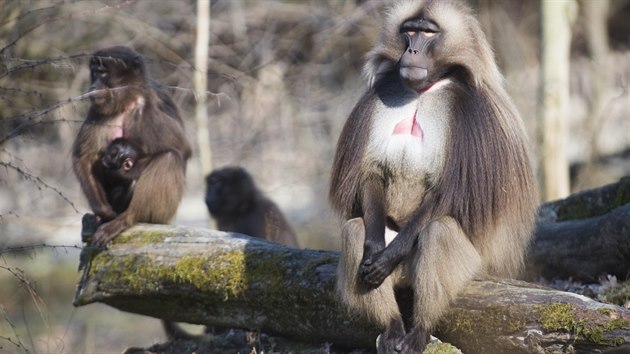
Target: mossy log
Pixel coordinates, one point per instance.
(209, 277)
(584, 236)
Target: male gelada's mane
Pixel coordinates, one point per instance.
(475, 200)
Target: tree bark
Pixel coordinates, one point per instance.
(209, 277)
(556, 20)
(200, 81)
(596, 28)
(583, 237)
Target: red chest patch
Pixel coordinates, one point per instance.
(409, 126)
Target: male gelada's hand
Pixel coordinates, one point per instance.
(375, 270)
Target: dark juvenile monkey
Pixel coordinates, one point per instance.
(436, 154)
(237, 205)
(127, 104)
(119, 170)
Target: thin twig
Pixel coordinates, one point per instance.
(18, 342)
(48, 19)
(38, 182)
(30, 64)
(30, 118)
(37, 246)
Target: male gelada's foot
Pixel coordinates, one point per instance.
(415, 341)
(391, 341)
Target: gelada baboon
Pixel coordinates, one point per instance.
(436, 154)
(125, 103)
(120, 167)
(237, 205)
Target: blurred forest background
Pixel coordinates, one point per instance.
(282, 76)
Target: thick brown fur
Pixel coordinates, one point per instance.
(127, 104)
(465, 207)
(237, 205)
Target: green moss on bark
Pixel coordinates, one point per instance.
(143, 238)
(563, 317)
(493, 319)
(226, 277)
(582, 207)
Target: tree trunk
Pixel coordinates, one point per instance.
(584, 236)
(209, 277)
(201, 84)
(596, 21)
(202, 276)
(557, 17)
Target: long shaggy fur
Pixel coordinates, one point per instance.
(477, 203)
(488, 185)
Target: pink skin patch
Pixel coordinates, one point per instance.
(117, 127)
(409, 126)
(118, 130)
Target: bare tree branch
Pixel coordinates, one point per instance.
(38, 182)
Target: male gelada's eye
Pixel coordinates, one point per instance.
(428, 33)
(411, 33)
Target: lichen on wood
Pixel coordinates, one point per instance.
(592, 203)
(220, 279)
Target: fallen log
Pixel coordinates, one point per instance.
(584, 236)
(214, 278)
